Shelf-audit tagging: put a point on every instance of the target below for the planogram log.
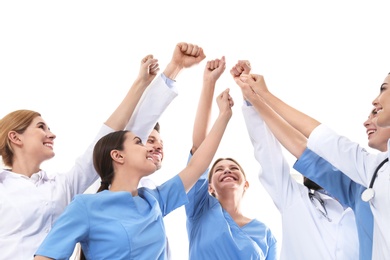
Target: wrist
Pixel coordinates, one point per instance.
(172, 70)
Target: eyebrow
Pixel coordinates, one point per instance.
(42, 123)
(154, 138)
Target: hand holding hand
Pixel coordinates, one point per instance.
(251, 85)
(257, 83)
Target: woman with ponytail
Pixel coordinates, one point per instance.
(31, 200)
(123, 221)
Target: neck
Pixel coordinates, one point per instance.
(120, 183)
(25, 167)
(231, 203)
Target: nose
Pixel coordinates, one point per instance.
(367, 122)
(375, 101)
(51, 135)
(226, 171)
(158, 146)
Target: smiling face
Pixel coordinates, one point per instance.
(382, 104)
(36, 141)
(137, 156)
(377, 136)
(226, 176)
(155, 142)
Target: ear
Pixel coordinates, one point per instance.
(117, 156)
(246, 185)
(13, 136)
(211, 190)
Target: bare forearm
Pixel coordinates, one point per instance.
(287, 135)
(122, 114)
(203, 115)
(205, 153)
(300, 121)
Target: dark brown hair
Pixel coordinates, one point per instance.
(102, 161)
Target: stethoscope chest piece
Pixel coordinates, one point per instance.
(368, 194)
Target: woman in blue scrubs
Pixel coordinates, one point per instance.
(216, 226)
(122, 221)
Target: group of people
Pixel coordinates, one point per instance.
(339, 212)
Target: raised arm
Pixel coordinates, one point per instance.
(213, 70)
(288, 136)
(206, 151)
(163, 90)
(300, 121)
(121, 116)
(185, 55)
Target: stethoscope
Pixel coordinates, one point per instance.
(369, 193)
(313, 195)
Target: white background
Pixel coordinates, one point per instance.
(73, 61)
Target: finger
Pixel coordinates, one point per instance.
(150, 61)
(234, 72)
(195, 51)
(231, 102)
(200, 56)
(183, 46)
(146, 58)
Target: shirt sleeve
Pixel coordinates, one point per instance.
(197, 195)
(171, 195)
(328, 177)
(70, 228)
(273, 249)
(152, 105)
(275, 173)
(83, 174)
(347, 156)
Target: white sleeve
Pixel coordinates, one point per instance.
(153, 103)
(347, 156)
(83, 174)
(275, 174)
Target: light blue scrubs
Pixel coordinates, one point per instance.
(116, 225)
(213, 234)
(346, 191)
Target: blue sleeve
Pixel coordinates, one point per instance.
(170, 195)
(197, 195)
(71, 227)
(170, 82)
(272, 253)
(328, 177)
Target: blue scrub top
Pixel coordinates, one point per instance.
(346, 191)
(116, 225)
(213, 234)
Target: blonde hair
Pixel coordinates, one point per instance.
(16, 121)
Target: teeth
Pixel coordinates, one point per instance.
(228, 178)
(371, 132)
(48, 145)
(157, 156)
